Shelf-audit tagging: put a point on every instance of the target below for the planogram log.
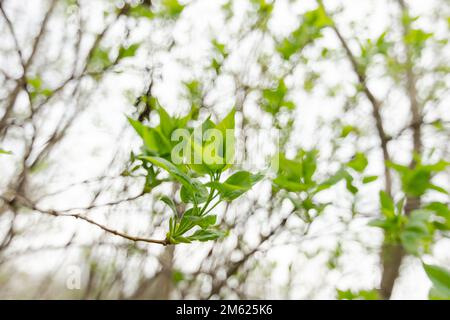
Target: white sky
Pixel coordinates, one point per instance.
(96, 136)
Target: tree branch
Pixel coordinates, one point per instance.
(27, 203)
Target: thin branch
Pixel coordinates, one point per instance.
(25, 202)
(22, 81)
(109, 204)
(13, 33)
(376, 106)
(236, 265)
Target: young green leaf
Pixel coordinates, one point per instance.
(154, 141)
(166, 122)
(192, 186)
(387, 204)
(126, 52)
(440, 278)
(369, 179)
(359, 162)
(206, 235)
(141, 11)
(170, 203)
(236, 185)
(417, 233)
(5, 152)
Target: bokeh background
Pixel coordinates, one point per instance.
(89, 63)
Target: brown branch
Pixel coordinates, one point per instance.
(12, 32)
(392, 255)
(376, 106)
(238, 264)
(22, 81)
(27, 203)
(59, 132)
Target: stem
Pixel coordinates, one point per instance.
(214, 177)
(210, 209)
(211, 198)
(32, 206)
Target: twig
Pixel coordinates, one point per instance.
(25, 202)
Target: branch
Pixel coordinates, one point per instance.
(22, 81)
(113, 203)
(236, 265)
(13, 33)
(376, 106)
(392, 255)
(27, 203)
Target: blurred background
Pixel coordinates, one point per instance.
(72, 70)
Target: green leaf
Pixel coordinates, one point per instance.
(435, 294)
(198, 196)
(141, 11)
(226, 127)
(437, 188)
(380, 223)
(297, 174)
(227, 123)
(36, 89)
(289, 185)
(359, 162)
(387, 204)
(166, 122)
(309, 30)
(442, 212)
(192, 218)
(206, 235)
(126, 52)
(35, 83)
(220, 47)
(193, 187)
(416, 38)
(417, 234)
(172, 8)
(177, 276)
(196, 143)
(274, 98)
(349, 184)
(341, 174)
(309, 165)
(369, 179)
(138, 126)
(347, 129)
(186, 223)
(201, 221)
(358, 295)
(212, 146)
(236, 185)
(99, 60)
(170, 203)
(153, 139)
(416, 181)
(440, 278)
(172, 169)
(291, 169)
(5, 152)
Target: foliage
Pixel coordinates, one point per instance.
(274, 99)
(309, 30)
(440, 279)
(358, 295)
(417, 180)
(161, 152)
(5, 152)
(360, 109)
